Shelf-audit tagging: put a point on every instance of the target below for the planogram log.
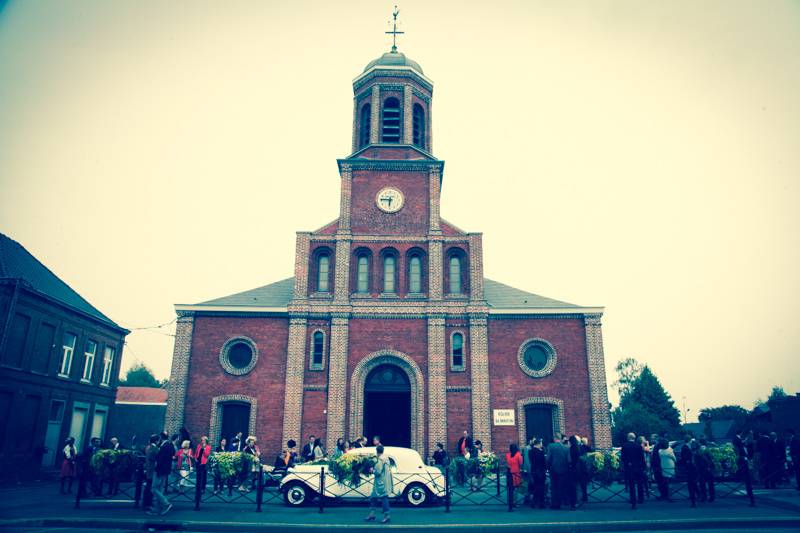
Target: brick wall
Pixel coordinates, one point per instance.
(265, 382)
(568, 382)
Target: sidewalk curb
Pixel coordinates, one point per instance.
(218, 526)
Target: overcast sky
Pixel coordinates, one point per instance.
(642, 156)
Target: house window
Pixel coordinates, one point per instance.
(238, 356)
(362, 281)
(317, 350)
(108, 364)
(537, 357)
(389, 264)
(455, 275)
(88, 361)
(457, 352)
(323, 273)
(415, 275)
(418, 126)
(366, 122)
(67, 350)
(390, 131)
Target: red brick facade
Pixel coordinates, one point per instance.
(351, 332)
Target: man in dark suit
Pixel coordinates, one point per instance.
(743, 465)
(794, 453)
(557, 458)
(307, 454)
(538, 473)
(633, 462)
(166, 451)
(237, 443)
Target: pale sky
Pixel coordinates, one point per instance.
(642, 156)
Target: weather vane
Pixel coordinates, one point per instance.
(394, 33)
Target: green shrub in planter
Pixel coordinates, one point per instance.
(601, 467)
(117, 463)
(348, 468)
(458, 470)
(723, 458)
(231, 465)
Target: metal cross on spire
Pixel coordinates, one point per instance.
(394, 33)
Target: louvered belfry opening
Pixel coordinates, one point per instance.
(419, 126)
(366, 118)
(390, 121)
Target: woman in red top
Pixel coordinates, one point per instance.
(514, 462)
(184, 463)
(201, 455)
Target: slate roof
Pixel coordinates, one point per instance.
(141, 395)
(498, 295)
(18, 263)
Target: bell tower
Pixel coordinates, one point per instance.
(392, 103)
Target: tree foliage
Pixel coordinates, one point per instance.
(140, 376)
(628, 370)
(776, 394)
(644, 406)
(724, 412)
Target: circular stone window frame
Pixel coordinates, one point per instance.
(225, 362)
(552, 358)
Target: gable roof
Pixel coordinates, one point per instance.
(276, 296)
(504, 296)
(146, 395)
(18, 263)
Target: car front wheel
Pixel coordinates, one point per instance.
(416, 495)
(296, 493)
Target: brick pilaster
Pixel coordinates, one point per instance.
(437, 383)
(295, 369)
(346, 198)
(479, 341)
(435, 279)
(355, 125)
(337, 380)
(408, 119)
(434, 190)
(302, 247)
(179, 375)
(601, 422)
(341, 291)
(375, 117)
(476, 266)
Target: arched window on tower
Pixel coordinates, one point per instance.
(455, 275)
(390, 121)
(317, 351)
(389, 271)
(366, 124)
(457, 352)
(419, 126)
(415, 275)
(362, 275)
(323, 273)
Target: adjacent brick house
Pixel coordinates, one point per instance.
(59, 364)
(388, 325)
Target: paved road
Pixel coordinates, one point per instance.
(42, 507)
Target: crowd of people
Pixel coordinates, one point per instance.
(644, 463)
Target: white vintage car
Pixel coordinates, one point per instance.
(413, 481)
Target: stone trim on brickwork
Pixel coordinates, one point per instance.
(437, 382)
(435, 279)
(375, 116)
(559, 425)
(179, 375)
(337, 380)
(408, 124)
(601, 421)
(301, 257)
(479, 375)
(416, 380)
(476, 266)
(295, 372)
(225, 362)
(218, 402)
(552, 357)
(345, 202)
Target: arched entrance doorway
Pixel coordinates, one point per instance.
(387, 406)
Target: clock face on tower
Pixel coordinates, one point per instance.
(389, 200)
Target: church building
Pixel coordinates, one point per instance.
(388, 325)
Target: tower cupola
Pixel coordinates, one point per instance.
(392, 102)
